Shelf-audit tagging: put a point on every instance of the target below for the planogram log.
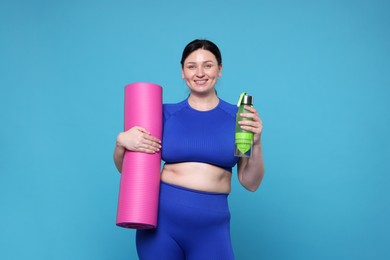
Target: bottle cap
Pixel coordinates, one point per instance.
(247, 100)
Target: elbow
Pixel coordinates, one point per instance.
(251, 178)
(252, 187)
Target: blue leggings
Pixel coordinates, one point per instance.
(192, 225)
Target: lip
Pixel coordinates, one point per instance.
(200, 81)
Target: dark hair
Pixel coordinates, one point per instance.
(201, 44)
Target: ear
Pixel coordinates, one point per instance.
(182, 73)
(220, 71)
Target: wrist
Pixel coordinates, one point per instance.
(257, 144)
(119, 142)
(258, 141)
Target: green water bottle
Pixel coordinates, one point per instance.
(244, 139)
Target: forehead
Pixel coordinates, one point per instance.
(200, 55)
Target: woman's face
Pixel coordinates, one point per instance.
(201, 71)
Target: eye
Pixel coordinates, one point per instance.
(191, 67)
(208, 66)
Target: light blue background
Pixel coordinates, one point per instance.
(320, 75)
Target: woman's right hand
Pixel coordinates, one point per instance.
(138, 139)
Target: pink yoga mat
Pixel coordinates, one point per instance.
(140, 179)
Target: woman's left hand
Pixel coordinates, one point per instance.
(255, 125)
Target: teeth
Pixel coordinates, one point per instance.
(200, 81)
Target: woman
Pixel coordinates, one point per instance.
(198, 150)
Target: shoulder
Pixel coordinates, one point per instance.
(171, 108)
(228, 108)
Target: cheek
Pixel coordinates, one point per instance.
(187, 75)
(217, 74)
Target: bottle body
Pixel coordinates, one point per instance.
(243, 138)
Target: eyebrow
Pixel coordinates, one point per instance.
(193, 62)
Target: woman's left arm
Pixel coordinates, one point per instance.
(251, 170)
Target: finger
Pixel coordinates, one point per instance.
(253, 116)
(253, 126)
(248, 123)
(152, 138)
(145, 150)
(151, 143)
(146, 147)
(143, 130)
(251, 109)
(255, 130)
(149, 148)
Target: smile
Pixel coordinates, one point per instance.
(200, 82)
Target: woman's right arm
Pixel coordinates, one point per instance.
(136, 139)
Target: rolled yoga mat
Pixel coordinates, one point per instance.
(140, 178)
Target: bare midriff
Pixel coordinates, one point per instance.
(197, 176)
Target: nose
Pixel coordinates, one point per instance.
(199, 72)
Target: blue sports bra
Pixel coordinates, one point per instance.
(191, 135)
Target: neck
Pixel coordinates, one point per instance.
(203, 103)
